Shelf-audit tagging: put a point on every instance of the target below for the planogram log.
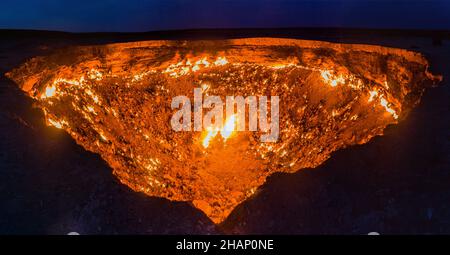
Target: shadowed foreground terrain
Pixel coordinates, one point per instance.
(396, 183)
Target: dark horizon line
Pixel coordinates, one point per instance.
(321, 28)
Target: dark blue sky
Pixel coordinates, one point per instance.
(146, 15)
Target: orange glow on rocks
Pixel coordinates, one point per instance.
(114, 100)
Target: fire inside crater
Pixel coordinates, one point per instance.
(115, 100)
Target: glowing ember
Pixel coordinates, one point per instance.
(331, 79)
(49, 92)
(373, 94)
(54, 123)
(221, 61)
(115, 100)
(385, 104)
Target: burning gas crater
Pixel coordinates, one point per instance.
(115, 99)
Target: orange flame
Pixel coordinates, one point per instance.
(226, 131)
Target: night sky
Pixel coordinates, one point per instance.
(147, 15)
